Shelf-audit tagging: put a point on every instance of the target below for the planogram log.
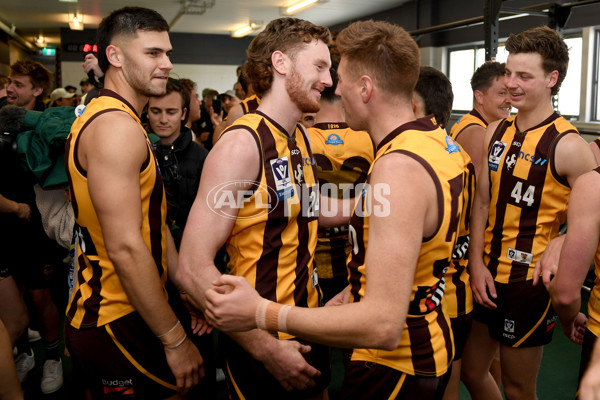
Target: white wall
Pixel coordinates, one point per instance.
(218, 77)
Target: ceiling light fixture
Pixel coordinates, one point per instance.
(246, 29)
(76, 21)
(40, 41)
(299, 6)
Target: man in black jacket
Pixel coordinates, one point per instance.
(179, 157)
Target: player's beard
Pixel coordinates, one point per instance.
(147, 87)
(294, 85)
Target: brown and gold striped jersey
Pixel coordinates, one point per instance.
(528, 199)
(250, 104)
(99, 297)
(343, 157)
(273, 241)
(426, 346)
(471, 118)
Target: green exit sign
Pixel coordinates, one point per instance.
(48, 52)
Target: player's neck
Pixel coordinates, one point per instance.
(386, 117)
(117, 84)
(330, 112)
(282, 110)
(527, 118)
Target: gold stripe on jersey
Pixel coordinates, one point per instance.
(426, 346)
(528, 199)
(274, 237)
(467, 120)
(250, 104)
(99, 297)
(593, 323)
(343, 159)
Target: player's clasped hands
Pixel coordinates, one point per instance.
(231, 304)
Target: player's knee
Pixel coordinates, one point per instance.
(514, 390)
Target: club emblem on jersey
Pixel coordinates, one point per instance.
(496, 154)
(283, 181)
(452, 146)
(510, 162)
(509, 325)
(334, 139)
(298, 174)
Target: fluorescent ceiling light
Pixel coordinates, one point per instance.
(246, 29)
(299, 6)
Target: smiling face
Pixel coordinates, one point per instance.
(495, 100)
(146, 64)
(308, 76)
(21, 92)
(165, 115)
(527, 83)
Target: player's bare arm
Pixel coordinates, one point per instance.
(235, 158)
(113, 151)
(394, 243)
(481, 278)
(577, 253)
(471, 139)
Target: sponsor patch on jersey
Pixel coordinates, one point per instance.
(283, 181)
(519, 256)
(452, 147)
(496, 154)
(334, 139)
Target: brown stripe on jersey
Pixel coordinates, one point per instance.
(358, 259)
(266, 267)
(551, 153)
(465, 127)
(77, 295)
(155, 219)
(337, 254)
(421, 348)
(496, 243)
(74, 204)
(446, 331)
(476, 114)
(597, 141)
(529, 215)
(249, 105)
(460, 290)
(470, 193)
(92, 303)
(303, 253)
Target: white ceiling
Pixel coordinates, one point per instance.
(32, 17)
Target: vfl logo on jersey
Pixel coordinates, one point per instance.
(519, 256)
(496, 154)
(517, 144)
(298, 174)
(283, 181)
(334, 139)
(511, 162)
(452, 146)
(79, 110)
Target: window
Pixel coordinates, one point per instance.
(463, 62)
